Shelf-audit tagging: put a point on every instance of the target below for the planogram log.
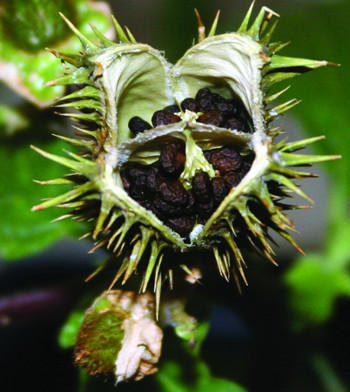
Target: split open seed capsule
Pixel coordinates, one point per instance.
(208, 173)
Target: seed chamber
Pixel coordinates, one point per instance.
(188, 173)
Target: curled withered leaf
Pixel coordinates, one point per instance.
(119, 335)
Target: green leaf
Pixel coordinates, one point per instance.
(315, 284)
(191, 330)
(172, 378)
(181, 368)
(325, 91)
(23, 232)
(27, 72)
(70, 329)
(33, 24)
(318, 280)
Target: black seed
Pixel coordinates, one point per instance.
(138, 190)
(140, 182)
(236, 124)
(229, 107)
(204, 210)
(225, 159)
(172, 109)
(202, 93)
(162, 117)
(244, 169)
(205, 104)
(223, 107)
(218, 98)
(150, 205)
(189, 209)
(134, 181)
(138, 125)
(154, 180)
(189, 104)
(134, 172)
(205, 100)
(232, 178)
(213, 117)
(201, 187)
(182, 224)
(172, 158)
(220, 190)
(173, 192)
(163, 209)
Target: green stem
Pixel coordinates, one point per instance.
(326, 374)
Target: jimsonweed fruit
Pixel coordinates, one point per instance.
(176, 157)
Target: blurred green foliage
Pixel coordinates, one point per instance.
(22, 232)
(12, 121)
(25, 64)
(318, 279)
(33, 25)
(171, 378)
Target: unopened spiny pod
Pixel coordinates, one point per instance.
(182, 156)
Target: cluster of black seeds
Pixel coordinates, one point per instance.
(216, 110)
(158, 188)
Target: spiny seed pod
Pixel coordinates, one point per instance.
(208, 176)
